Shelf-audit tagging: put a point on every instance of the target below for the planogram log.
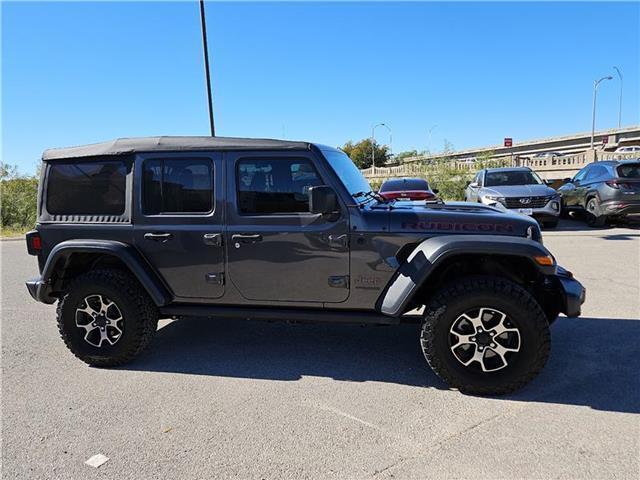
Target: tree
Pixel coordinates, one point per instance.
(360, 153)
(400, 157)
(18, 195)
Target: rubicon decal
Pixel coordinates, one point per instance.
(458, 227)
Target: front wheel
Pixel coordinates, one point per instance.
(485, 335)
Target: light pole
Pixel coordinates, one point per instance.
(620, 106)
(596, 83)
(203, 24)
(373, 141)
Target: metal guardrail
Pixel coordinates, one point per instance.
(541, 165)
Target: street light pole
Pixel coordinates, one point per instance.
(620, 106)
(596, 83)
(203, 24)
(373, 141)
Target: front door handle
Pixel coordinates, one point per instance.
(158, 237)
(246, 238)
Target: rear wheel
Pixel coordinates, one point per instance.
(594, 217)
(105, 318)
(485, 335)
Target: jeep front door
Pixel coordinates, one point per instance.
(179, 221)
(276, 249)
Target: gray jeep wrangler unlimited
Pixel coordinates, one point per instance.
(134, 230)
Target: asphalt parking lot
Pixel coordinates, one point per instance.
(232, 399)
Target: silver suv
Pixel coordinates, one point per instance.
(519, 189)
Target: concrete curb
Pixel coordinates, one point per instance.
(11, 239)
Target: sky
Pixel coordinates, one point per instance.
(470, 73)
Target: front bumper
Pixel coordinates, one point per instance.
(40, 291)
(573, 294)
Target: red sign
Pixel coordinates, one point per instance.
(508, 142)
(605, 140)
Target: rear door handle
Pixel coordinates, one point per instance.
(158, 237)
(246, 238)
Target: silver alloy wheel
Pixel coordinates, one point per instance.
(484, 336)
(591, 206)
(101, 319)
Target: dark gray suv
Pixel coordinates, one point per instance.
(603, 190)
(134, 230)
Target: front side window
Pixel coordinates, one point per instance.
(275, 185)
(87, 188)
(177, 185)
(580, 175)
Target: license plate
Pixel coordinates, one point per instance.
(525, 211)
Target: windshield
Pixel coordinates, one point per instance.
(351, 177)
(514, 177)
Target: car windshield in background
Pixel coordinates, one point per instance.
(630, 170)
(347, 171)
(404, 185)
(501, 179)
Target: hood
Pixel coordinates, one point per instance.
(452, 217)
(518, 191)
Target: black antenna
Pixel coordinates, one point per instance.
(206, 67)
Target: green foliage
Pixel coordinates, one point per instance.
(360, 153)
(18, 200)
(400, 157)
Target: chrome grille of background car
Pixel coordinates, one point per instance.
(534, 202)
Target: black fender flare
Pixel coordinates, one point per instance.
(426, 257)
(126, 253)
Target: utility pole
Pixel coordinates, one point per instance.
(203, 23)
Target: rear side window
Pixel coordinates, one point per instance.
(279, 185)
(630, 170)
(86, 188)
(177, 185)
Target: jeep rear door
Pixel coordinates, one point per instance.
(179, 211)
(276, 249)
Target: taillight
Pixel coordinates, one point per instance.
(34, 242)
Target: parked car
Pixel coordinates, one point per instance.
(629, 149)
(603, 191)
(519, 189)
(548, 154)
(134, 230)
(407, 189)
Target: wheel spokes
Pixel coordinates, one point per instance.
(484, 336)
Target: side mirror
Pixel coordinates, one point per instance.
(474, 185)
(323, 200)
(436, 191)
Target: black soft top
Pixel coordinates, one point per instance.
(122, 146)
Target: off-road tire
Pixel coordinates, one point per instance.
(493, 292)
(594, 218)
(140, 317)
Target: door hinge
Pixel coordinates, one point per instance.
(215, 278)
(339, 281)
